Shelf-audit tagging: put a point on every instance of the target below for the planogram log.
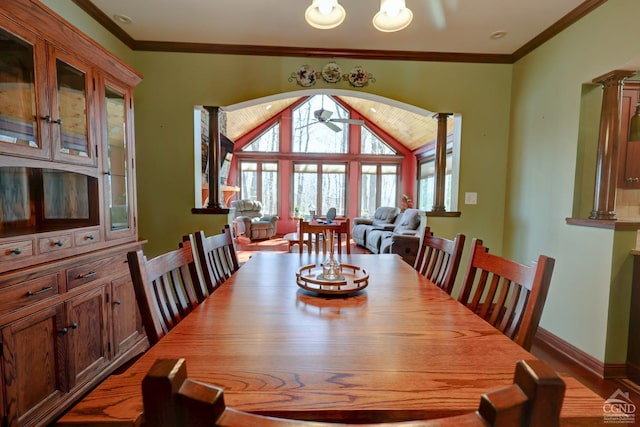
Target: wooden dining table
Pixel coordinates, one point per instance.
(399, 349)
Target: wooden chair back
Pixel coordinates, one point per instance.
(165, 288)
(507, 294)
(217, 258)
(171, 399)
(439, 259)
(314, 230)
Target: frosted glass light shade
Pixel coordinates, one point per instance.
(325, 14)
(393, 16)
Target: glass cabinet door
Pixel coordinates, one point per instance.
(71, 110)
(118, 167)
(23, 101)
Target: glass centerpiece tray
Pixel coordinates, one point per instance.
(350, 279)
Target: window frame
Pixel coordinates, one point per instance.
(319, 173)
(259, 181)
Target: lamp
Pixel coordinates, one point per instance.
(393, 16)
(634, 125)
(325, 14)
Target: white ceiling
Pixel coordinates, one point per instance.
(457, 30)
(464, 26)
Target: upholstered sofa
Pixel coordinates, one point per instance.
(250, 222)
(391, 231)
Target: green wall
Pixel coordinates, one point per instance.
(175, 82)
(521, 128)
(588, 302)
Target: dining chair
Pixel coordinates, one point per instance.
(217, 258)
(165, 288)
(508, 295)
(171, 399)
(439, 259)
(312, 233)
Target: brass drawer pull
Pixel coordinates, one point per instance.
(86, 275)
(41, 291)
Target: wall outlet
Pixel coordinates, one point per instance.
(470, 198)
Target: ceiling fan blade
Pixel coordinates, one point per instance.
(331, 126)
(350, 121)
(322, 115)
(437, 13)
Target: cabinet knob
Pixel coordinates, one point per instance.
(16, 251)
(46, 119)
(64, 331)
(117, 302)
(90, 237)
(59, 243)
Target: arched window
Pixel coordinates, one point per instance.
(314, 128)
(268, 141)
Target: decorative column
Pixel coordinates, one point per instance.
(440, 162)
(604, 200)
(214, 158)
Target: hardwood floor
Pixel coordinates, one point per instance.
(565, 366)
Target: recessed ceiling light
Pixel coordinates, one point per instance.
(373, 110)
(268, 107)
(123, 19)
(497, 35)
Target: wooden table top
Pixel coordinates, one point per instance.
(401, 349)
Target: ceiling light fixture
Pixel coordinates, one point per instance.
(497, 35)
(123, 19)
(325, 14)
(394, 15)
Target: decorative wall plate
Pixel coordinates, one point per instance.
(331, 72)
(358, 77)
(306, 76)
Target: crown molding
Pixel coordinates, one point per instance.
(488, 58)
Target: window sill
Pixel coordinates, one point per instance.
(210, 211)
(443, 214)
(610, 224)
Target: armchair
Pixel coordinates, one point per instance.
(250, 221)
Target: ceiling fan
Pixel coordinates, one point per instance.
(324, 116)
(437, 12)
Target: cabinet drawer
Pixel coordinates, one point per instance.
(54, 243)
(29, 292)
(96, 270)
(87, 237)
(16, 250)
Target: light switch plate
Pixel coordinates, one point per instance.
(470, 198)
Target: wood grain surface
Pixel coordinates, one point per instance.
(401, 349)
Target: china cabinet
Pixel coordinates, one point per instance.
(629, 150)
(68, 314)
